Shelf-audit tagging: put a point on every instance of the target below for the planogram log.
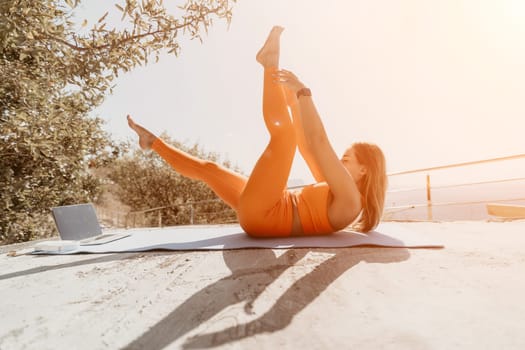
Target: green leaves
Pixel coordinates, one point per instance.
(51, 78)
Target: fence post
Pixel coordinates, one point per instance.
(160, 218)
(191, 214)
(429, 199)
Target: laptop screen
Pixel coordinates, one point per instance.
(76, 222)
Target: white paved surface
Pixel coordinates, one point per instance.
(467, 296)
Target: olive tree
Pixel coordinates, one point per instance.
(51, 77)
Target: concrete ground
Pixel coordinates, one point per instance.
(469, 295)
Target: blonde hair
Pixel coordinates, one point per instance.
(372, 185)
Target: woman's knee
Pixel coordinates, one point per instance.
(209, 168)
(283, 132)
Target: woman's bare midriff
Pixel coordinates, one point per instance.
(297, 228)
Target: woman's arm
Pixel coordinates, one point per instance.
(346, 201)
(305, 151)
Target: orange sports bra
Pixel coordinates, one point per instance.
(312, 207)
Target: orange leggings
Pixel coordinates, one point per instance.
(263, 205)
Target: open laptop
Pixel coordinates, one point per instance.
(79, 222)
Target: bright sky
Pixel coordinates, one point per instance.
(431, 82)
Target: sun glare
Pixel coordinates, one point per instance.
(505, 16)
(514, 10)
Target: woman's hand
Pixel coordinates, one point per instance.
(288, 80)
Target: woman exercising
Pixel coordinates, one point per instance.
(349, 191)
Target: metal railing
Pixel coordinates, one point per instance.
(189, 215)
(191, 206)
(430, 204)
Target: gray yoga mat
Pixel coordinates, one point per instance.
(219, 237)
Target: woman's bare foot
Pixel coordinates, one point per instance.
(146, 138)
(268, 55)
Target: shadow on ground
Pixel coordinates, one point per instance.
(96, 260)
(251, 274)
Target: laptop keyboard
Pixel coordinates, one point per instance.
(96, 238)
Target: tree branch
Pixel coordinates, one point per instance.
(124, 40)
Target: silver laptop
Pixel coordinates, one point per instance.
(79, 222)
